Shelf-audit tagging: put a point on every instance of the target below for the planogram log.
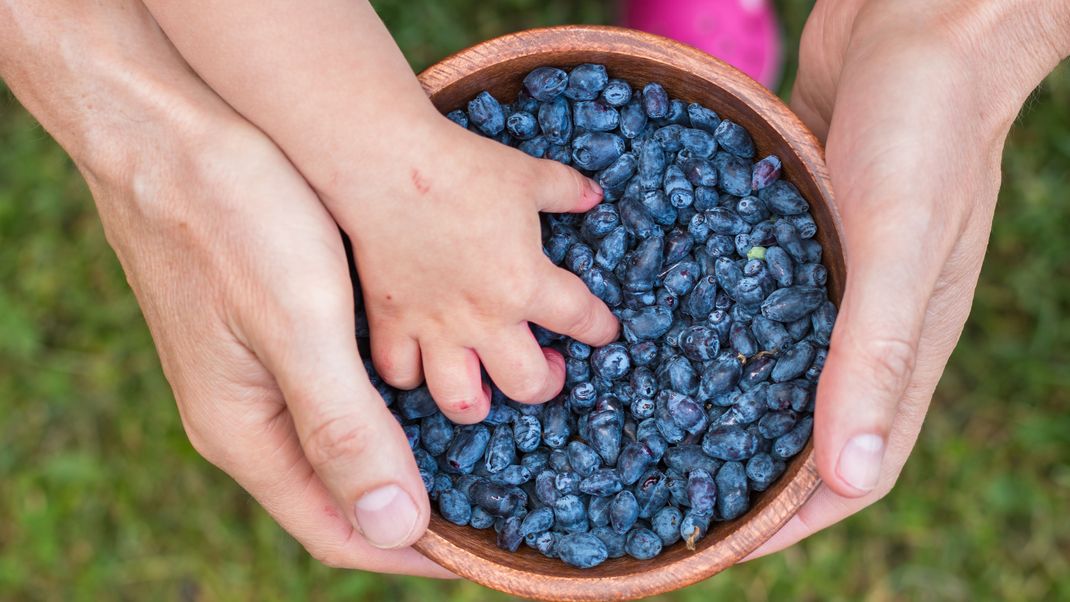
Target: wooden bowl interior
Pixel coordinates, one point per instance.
(499, 66)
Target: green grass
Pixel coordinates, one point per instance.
(101, 497)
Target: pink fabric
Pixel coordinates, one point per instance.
(743, 33)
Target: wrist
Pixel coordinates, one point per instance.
(107, 87)
(1005, 48)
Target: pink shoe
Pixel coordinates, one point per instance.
(743, 33)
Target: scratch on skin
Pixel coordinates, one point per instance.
(331, 511)
(420, 182)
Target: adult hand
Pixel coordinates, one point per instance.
(915, 99)
(240, 272)
(444, 223)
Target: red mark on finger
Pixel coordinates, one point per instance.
(421, 183)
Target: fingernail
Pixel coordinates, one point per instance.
(860, 461)
(387, 516)
(593, 188)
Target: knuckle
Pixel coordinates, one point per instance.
(336, 438)
(528, 388)
(205, 446)
(891, 360)
(201, 439)
(397, 370)
(330, 556)
(583, 321)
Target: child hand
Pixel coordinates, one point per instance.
(451, 264)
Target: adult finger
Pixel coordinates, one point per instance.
(348, 435)
(264, 456)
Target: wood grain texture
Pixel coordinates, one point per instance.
(693, 76)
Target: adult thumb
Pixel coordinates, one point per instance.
(348, 435)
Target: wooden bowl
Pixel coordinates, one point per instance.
(693, 76)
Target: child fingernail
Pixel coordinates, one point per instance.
(593, 188)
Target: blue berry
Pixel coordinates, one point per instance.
(666, 524)
(698, 142)
(633, 119)
(763, 470)
(643, 353)
(555, 425)
(570, 512)
(645, 264)
(602, 482)
(685, 458)
(701, 491)
(792, 303)
(501, 449)
(655, 101)
(604, 434)
(537, 521)
(642, 544)
(634, 460)
(793, 441)
(766, 172)
(555, 121)
(459, 117)
(582, 458)
(480, 518)
(734, 139)
(734, 175)
(623, 512)
(823, 319)
(783, 197)
(703, 118)
(617, 174)
(454, 507)
(527, 433)
(522, 125)
(467, 448)
(693, 527)
(536, 147)
(485, 112)
(546, 83)
(652, 492)
(586, 81)
(495, 499)
(509, 537)
(617, 93)
(733, 495)
(595, 116)
(415, 404)
(775, 424)
(596, 150)
(581, 550)
(611, 362)
(731, 443)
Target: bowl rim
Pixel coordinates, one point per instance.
(762, 520)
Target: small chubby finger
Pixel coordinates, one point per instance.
(566, 306)
(561, 189)
(455, 382)
(397, 358)
(522, 370)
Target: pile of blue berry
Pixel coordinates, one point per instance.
(708, 259)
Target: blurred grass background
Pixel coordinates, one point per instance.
(101, 496)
